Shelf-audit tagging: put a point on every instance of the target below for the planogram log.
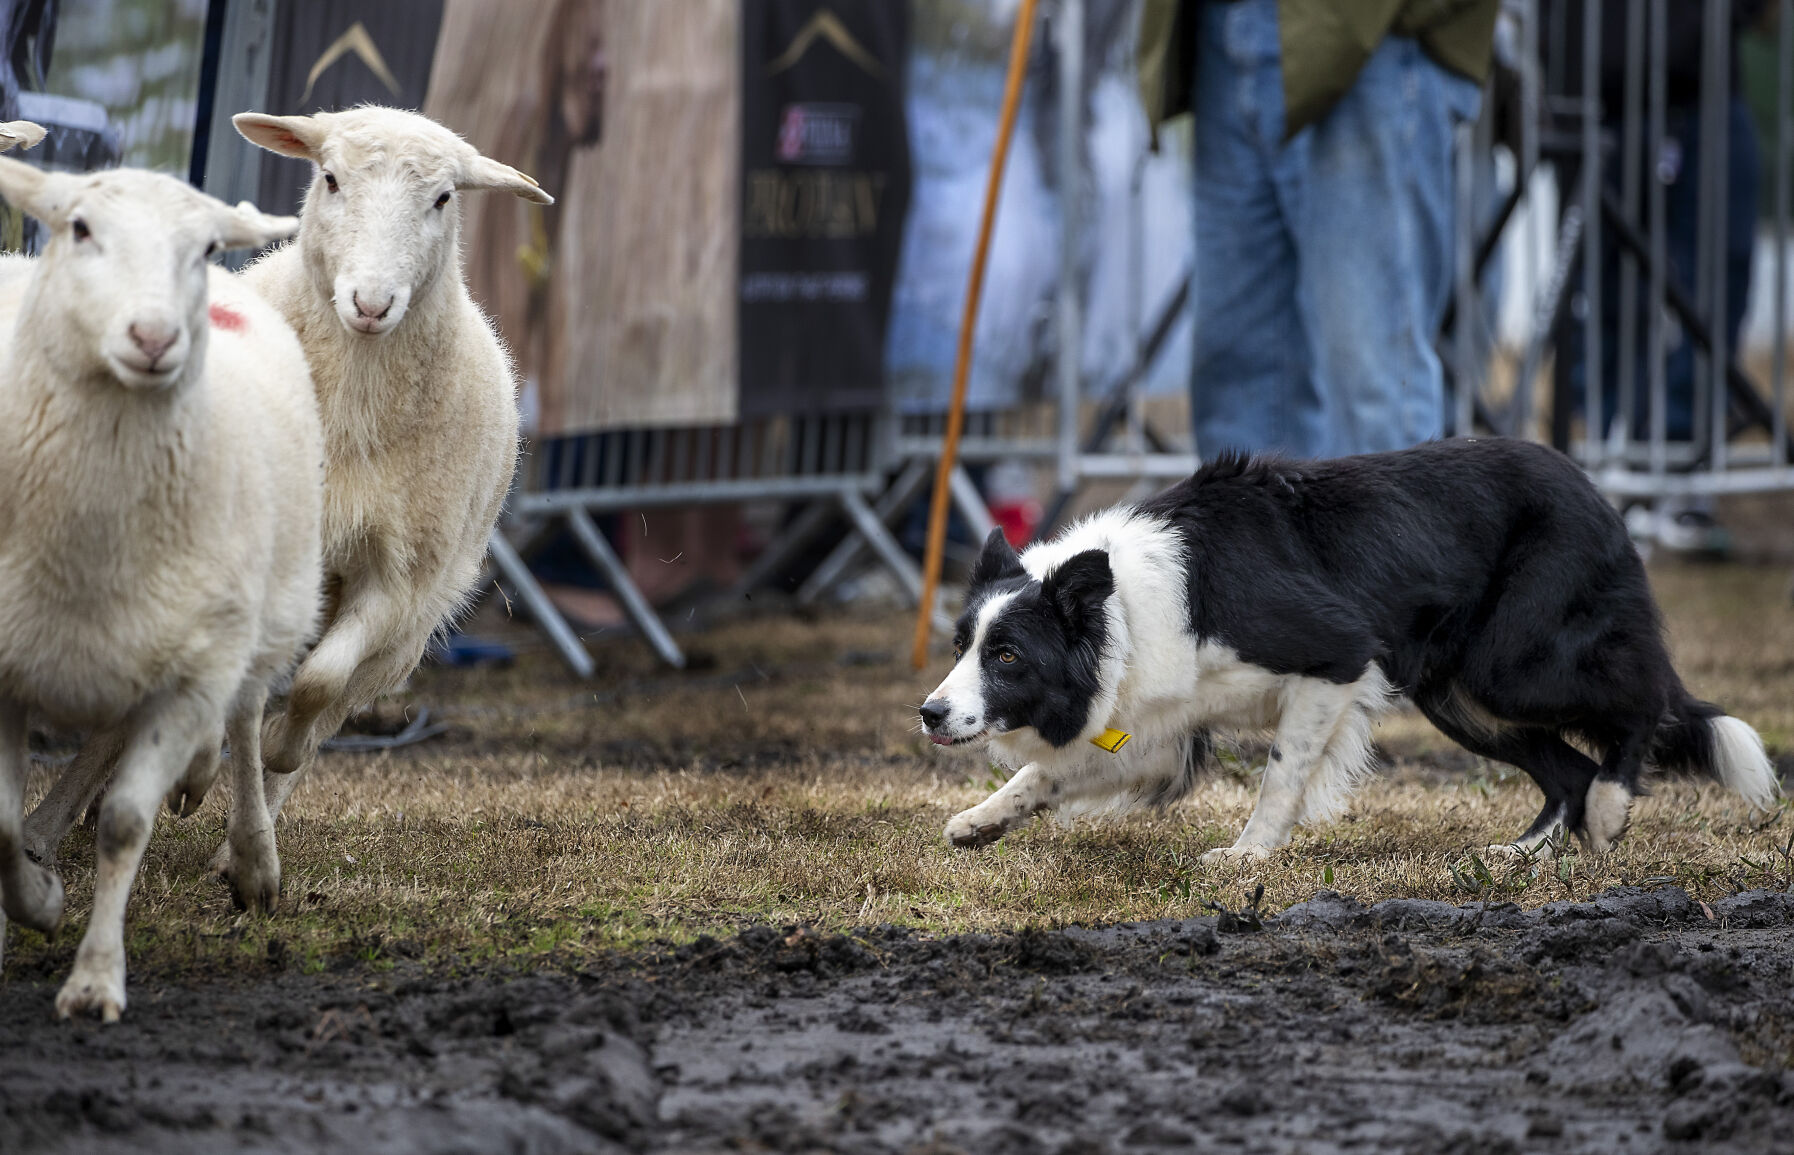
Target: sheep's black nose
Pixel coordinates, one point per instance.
(934, 712)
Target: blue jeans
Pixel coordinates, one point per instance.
(1323, 265)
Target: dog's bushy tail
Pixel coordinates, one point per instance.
(1700, 737)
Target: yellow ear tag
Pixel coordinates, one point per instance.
(1111, 740)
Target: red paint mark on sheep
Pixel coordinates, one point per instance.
(226, 318)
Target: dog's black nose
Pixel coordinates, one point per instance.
(933, 713)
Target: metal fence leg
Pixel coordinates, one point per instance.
(530, 593)
(889, 552)
(585, 531)
(892, 500)
(779, 550)
(970, 502)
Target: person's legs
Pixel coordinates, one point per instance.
(1376, 250)
(1252, 386)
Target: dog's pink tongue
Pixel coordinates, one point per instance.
(940, 741)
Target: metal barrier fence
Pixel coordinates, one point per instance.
(834, 465)
(1637, 309)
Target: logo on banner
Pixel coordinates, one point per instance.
(819, 134)
(827, 27)
(355, 42)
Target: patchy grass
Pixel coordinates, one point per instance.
(785, 783)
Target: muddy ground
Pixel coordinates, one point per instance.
(1640, 1021)
(1637, 1020)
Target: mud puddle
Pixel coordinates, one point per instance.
(1637, 1022)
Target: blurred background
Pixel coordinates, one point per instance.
(736, 328)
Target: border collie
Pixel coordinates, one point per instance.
(1486, 580)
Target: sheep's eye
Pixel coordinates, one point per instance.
(330, 181)
(212, 249)
(1007, 657)
(442, 200)
(78, 228)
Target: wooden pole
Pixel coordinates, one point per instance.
(962, 367)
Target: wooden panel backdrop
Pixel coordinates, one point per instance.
(620, 300)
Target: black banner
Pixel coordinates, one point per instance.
(825, 186)
(334, 54)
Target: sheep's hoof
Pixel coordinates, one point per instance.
(37, 901)
(194, 785)
(93, 988)
(254, 874)
(279, 756)
(184, 802)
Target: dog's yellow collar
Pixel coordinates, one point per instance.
(1111, 740)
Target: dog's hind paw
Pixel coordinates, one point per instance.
(1607, 813)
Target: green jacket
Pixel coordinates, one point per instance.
(1324, 44)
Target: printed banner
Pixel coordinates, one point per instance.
(825, 182)
(335, 54)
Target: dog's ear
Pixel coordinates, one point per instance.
(1079, 587)
(997, 562)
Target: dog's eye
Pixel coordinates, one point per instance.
(78, 229)
(442, 200)
(330, 181)
(958, 652)
(1007, 657)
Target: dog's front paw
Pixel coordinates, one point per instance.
(1231, 855)
(968, 830)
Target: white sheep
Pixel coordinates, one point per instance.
(417, 394)
(418, 400)
(160, 567)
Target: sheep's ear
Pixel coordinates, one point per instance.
(20, 134)
(482, 172)
(247, 227)
(295, 136)
(29, 189)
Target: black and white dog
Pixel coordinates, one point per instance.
(1485, 579)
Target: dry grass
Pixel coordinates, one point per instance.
(562, 820)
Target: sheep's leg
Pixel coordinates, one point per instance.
(29, 893)
(165, 733)
(315, 714)
(375, 676)
(254, 868)
(323, 678)
(72, 793)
